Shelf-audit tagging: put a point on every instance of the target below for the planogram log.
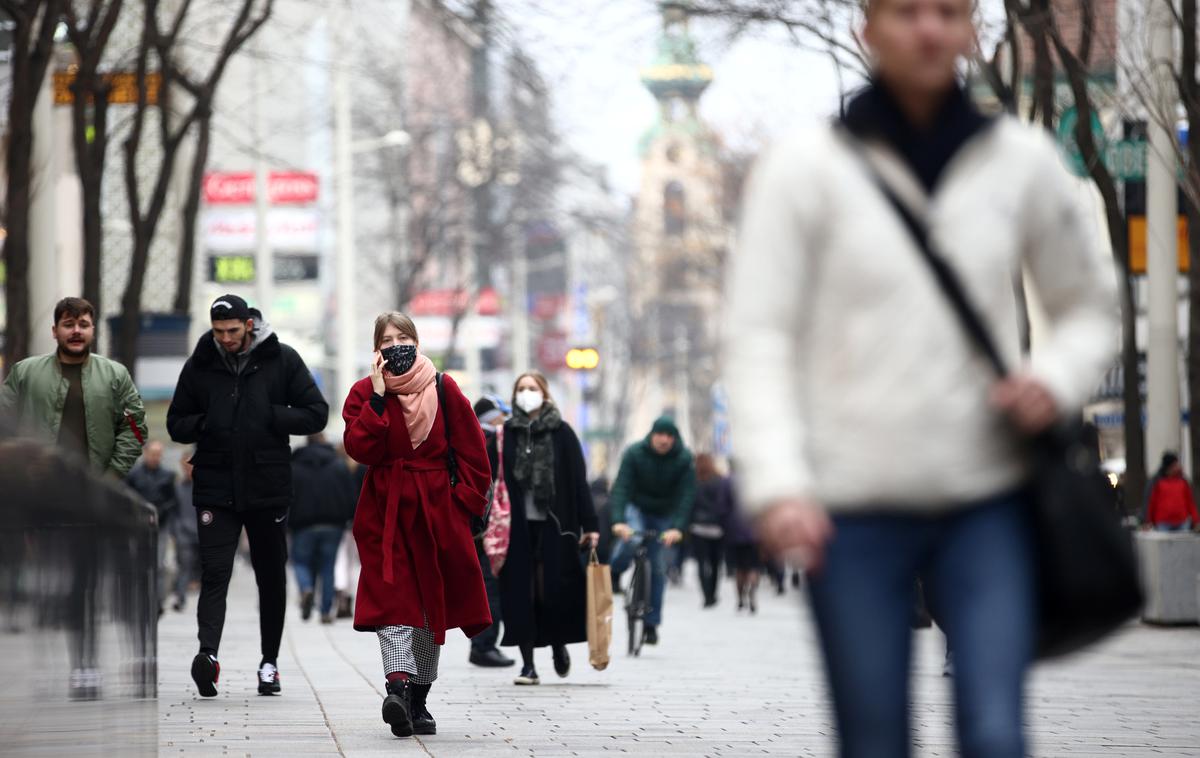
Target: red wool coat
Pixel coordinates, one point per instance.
(413, 533)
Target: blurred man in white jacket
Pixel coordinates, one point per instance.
(874, 441)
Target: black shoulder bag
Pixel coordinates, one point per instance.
(478, 523)
(1087, 578)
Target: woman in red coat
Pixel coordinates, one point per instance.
(420, 574)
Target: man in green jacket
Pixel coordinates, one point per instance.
(83, 402)
(655, 489)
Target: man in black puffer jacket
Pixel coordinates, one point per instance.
(325, 501)
(239, 397)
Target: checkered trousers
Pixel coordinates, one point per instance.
(411, 650)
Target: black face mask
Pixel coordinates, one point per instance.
(398, 359)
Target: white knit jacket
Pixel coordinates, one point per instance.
(850, 379)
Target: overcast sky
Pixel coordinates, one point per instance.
(590, 52)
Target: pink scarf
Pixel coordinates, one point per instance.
(417, 391)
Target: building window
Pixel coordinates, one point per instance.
(674, 220)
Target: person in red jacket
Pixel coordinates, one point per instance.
(429, 473)
(1171, 508)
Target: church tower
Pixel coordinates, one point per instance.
(681, 238)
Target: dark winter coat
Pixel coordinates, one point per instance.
(240, 423)
(325, 493)
(412, 528)
(563, 616)
(660, 485)
(713, 502)
(156, 486)
(738, 529)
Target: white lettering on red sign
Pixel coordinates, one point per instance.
(225, 188)
(283, 188)
(292, 188)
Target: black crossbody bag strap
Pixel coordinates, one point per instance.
(945, 275)
(451, 456)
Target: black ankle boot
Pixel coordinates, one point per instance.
(397, 708)
(422, 720)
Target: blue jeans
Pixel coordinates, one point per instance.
(314, 553)
(1186, 526)
(623, 557)
(977, 568)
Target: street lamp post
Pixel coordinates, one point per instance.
(343, 153)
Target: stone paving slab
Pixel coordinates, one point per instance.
(721, 684)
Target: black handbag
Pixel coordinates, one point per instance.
(1087, 577)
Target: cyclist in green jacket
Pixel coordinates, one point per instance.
(84, 402)
(654, 490)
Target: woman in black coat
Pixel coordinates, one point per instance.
(543, 586)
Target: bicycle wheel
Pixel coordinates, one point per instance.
(643, 579)
(635, 608)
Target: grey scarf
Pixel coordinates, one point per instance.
(534, 464)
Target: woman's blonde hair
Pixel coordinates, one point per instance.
(542, 384)
(398, 320)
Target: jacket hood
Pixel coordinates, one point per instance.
(265, 344)
(665, 425)
(315, 455)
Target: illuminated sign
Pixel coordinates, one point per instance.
(240, 269)
(124, 88)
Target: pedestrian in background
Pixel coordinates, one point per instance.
(323, 506)
(707, 529)
(491, 412)
(1172, 507)
(875, 444)
(543, 585)
(743, 551)
(428, 475)
(240, 396)
(655, 490)
(186, 534)
(348, 568)
(156, 485)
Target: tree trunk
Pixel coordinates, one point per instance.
(90, 162)
(16, 243)
(1193, 336)
(33, 45)
(1189, 93)
(1118, 231)
(191, 212)
(131, 302)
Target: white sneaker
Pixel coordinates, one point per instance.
(268, 679)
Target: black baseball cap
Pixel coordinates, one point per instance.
(228, 307)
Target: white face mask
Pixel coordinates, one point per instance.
(530, 400)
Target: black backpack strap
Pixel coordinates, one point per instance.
(945, 275)
(451, 456)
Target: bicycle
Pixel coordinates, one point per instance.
(637, 597)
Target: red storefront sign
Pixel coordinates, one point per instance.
(552, 351)
(448, 302)
(283, 188)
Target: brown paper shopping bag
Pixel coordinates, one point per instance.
(599, 612)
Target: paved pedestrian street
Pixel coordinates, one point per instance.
(719, 684)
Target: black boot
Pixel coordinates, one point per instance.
(422, 720)
(397, 708)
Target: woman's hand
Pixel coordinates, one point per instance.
(590, 539)
(622, 532)
(377, 383)
(672, 537)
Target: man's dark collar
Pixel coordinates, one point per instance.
(874, 113)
